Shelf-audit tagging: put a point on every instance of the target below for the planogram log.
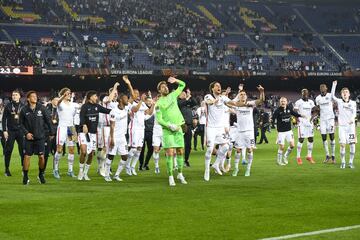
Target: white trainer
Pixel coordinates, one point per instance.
(181, 177)
(343, 165)
(108, 179)
(81, 175)
(86, 177)
(217, 169)
(207, 174)
(172, 181)
(133, 172)
(117, 178)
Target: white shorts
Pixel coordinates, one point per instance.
(103, 136)
(120, 147)
(156, 140)
(245, 140)
(285, 137)
(305, 131)
(62, 137)
(347, 134)
(327, 126)
(136, 137)
(233, 134)
(91, 145)
(216, 136)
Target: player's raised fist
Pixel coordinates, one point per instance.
(172, 80)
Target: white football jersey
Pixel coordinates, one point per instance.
(157, 127)
(66, 113)
(138, 118)
(201, 112)
(304, 108)
(216, 113)
(325, 104)
(120, 117)
(245, 117)
(104, 119)
(347, 112)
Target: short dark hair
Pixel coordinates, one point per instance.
(89, 94)
(29, 93)
(211, 86)
(16, 91)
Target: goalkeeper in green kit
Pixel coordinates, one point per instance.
(168, 115)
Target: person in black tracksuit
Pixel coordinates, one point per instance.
(186, 103)
(89, 119)
(33, 118)
(282, 117)
(264, 125)
(149, 126)
(50, 143)
(11, 129)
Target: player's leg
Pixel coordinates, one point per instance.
(310, 146)
(39, 150)
(299, 147)
(156, 156)
(352, 155)
(290, 139)
(250, 157)
(220, 156)
(237, 161)
(210, 143)
(60, 140)
(180, 160)
(83, 152)
(123, 151)
(109, 159)
(332, 146)
(280, 155)
(342, 142)
(27, 156)
(170, 165)
(228, 157)
(352, 142)
(92, 144)
(71, 156)
(100, 156)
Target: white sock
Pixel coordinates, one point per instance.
(156, 157)
(208, 157)
(250, 159)
(86, 169)
(130, 157)
(228, 161)
(310, 146)
(107, 167)
(175, 161)
(99, 159)
(279, 155)
(326, 147)
(352, 153)
(121, 166)
(342, 154)
(70, 162)
(135, 158)
(299, 147)
(332, 145)
(237, 160)
(221, 154)
(81, 168)
(57, 157)
(243, 153)
(288, 151)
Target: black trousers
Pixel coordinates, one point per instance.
(17, 136)
(50, 148)
(187, 140)
(150, 150)
(2, 139)
(263, 135)
(200, 131)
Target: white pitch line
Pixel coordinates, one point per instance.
(313, 233)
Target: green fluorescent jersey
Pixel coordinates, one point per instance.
(167, 109)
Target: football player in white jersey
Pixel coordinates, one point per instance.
(327, 121)
(139, 112)
(215, 131)
(346, 121)
(118, 129)
(245, 127)
(103, 132)
(66, 132)
(156, 142)
(304, 107)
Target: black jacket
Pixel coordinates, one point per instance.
(149, 124)
(9, 121)
(33, 121)
(186, 109)
(282, 116)
(52, 111)
(89, 116)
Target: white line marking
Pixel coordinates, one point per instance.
(313, 233)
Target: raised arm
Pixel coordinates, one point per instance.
(333, 89)
(112, 93)
(261, 99)
(128, 84)
(180, 88)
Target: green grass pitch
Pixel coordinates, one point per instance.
(274, 201)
